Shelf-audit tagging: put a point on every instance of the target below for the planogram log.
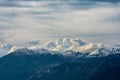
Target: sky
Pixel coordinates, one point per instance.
(26, 20)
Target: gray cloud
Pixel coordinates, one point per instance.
(27, 20)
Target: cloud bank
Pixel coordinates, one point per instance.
(24, 20)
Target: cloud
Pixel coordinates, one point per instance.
(33, 20)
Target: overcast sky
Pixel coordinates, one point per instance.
(24, 20)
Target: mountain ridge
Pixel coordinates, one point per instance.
(66, 46)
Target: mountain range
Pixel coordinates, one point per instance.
(64, 59)
(66, 46)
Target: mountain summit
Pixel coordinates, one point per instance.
(66, 46)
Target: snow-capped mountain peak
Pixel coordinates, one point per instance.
(5, 48)
(66, 46)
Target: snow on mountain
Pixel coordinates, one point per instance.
(66, 46)
(76, 45)
(5, 48)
